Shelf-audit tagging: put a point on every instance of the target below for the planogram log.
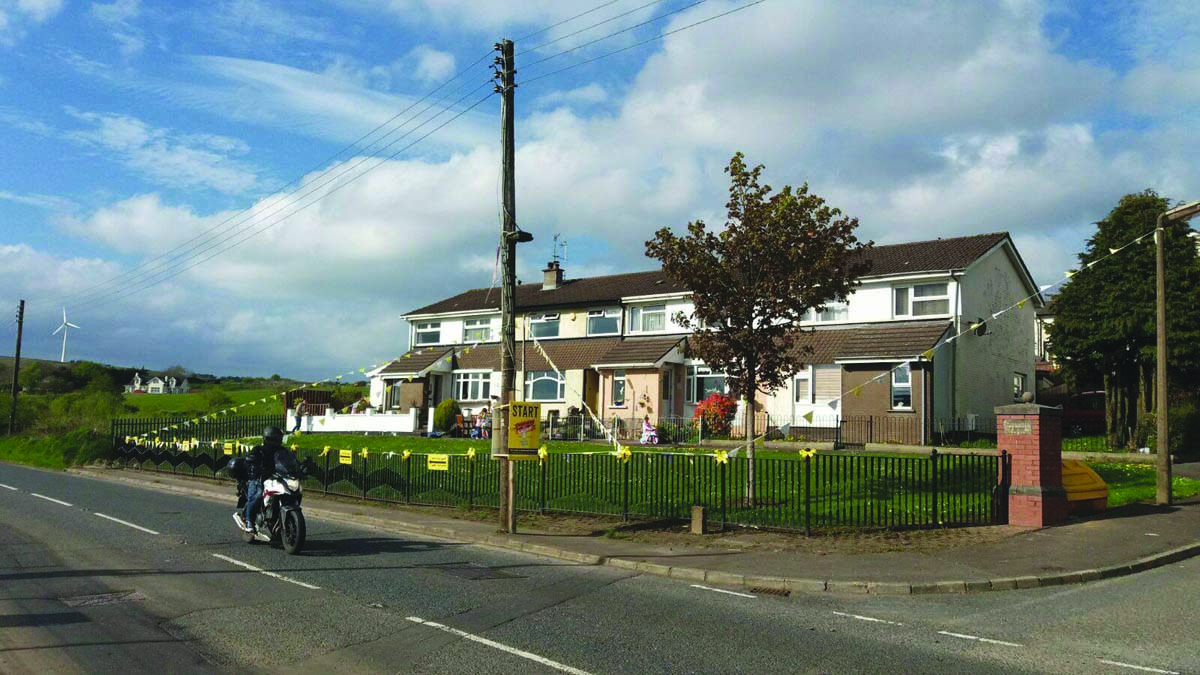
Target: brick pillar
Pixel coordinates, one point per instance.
(1032, 435)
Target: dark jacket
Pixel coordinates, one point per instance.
(266, 459)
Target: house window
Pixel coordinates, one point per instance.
(544, 385)
(1018, 386)
(803, 387)
(477, 330)
(702, 381)
(902, 387)
(921, 300)
(429, 333)
(544, 325)
(604, 322)
(618, 390)
(835, 311)
(473, 386)
(647, 319)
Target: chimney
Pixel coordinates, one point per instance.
(552, 276)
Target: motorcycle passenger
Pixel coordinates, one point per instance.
(260, 462)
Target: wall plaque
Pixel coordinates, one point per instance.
(1018, 427)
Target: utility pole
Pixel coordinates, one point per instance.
(508, 275)
(12, 412)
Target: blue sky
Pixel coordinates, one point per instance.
(143, 140)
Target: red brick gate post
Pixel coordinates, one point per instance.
(1032, 435)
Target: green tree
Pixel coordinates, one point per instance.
(215, 398)
(31, 376)
(778, 256)
(1105, 317)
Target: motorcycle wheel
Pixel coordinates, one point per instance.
(293, 531)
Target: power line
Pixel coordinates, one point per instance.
(639, 44)
(623, 30)
(584, 30)
(326, 178)
(280, 191)
(268, 226)
(568, 20)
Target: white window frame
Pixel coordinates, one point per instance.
(834, 311)
(427, 327)
(477, 325)
(802, 386)
(612, 312)
(906, 302)
(692, 380)
(1019, 383)
(534, 376)
(619, 378)
(638, 315)
(473, 386)
(902, 380)
(546, 318)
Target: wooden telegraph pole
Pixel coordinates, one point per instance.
(16, 384)
(509, 236)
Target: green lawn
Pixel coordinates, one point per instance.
(1129, 483)
(163, 405)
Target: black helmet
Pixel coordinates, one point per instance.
(272, 435)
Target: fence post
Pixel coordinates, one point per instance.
(408, 479)
(625, 498)
(933, 458)
(364, 476)
(471, 483)
(808, 496)
(542, 488)
(724, 489)
(325, 478)
(871, 429)
(700, 434)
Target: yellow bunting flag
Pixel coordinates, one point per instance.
(1070, 273)
(295, 447)
(808, 416)
(543, 453)
(405, 455)
(326, 450)
(623, 453)
(722, 457)
(1113, 251)
(1021, 304)
(927, 354)
(363, 454)
(807, 453)
(856, 391)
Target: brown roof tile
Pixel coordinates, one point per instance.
(955, 253)
(894, 340)
(415, 361)
(640, 351)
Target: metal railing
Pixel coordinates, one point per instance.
(826, 491)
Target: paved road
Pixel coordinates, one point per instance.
(100, 577)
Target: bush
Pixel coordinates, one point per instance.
(1184, 430)
(717, 413)
(216, 398)
(445, 416)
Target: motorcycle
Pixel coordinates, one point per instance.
(280, 520)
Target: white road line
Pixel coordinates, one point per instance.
(51, 499)
(867, 618)
(252, 568)
(504, 648)
(979, 639)
(720, 590)
(127, 523)
(1130, 665)
(7, 487)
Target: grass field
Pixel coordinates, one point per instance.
(161, 405)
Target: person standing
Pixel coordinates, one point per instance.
(301, 411)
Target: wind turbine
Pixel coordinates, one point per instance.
(63, 327)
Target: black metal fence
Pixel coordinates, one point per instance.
(822, 492)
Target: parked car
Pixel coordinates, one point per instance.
(1083, 414)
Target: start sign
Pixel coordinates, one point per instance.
(524, 428)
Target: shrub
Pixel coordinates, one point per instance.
(446, 415)
(717, 413)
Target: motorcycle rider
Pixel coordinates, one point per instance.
(260, 463)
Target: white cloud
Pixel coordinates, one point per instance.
(431, 65)
(47, 202)
(118, 16)
(166, 157)
(17, 15)
(586, 95)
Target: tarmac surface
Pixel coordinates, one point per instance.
(1118, 542)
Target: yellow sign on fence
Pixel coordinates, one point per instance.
(229, 448)
(524, 428)
(345, 456)
(437, 462)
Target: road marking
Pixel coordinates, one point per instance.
(51, 499)
(1130, 665)
(504, 648)
(260, 570)
(7, 487)
(973, 637)
(127, 523)
(721, 590)
(867, 618)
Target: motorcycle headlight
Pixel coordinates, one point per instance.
(293, 484)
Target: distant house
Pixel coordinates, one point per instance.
(610, 343)
(157, 385)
